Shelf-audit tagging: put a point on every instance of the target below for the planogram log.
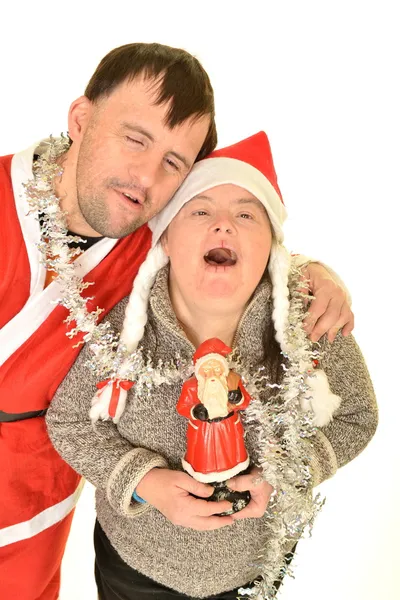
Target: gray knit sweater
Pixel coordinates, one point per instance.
(150, 434)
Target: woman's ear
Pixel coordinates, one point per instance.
(164, 242)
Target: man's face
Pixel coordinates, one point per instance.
(129, 162)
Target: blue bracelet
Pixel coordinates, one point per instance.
(138, 498)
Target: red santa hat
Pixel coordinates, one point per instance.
(213, 349)
(248, 164)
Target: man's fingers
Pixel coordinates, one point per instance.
(329, 319)
(348, 328)
(316, 309)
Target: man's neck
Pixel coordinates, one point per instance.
(65, 190)
(202, 323)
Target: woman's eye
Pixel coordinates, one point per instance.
(245, 216)
(200, 213)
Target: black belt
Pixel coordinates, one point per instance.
(6, 417)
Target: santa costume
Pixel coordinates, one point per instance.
(38, 490)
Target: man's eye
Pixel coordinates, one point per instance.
(132, 140)
(245, 216)
(172, 164)
(200, 213)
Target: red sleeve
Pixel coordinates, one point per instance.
(188, 398)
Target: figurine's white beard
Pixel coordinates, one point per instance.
(214, 395)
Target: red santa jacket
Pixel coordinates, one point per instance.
(35, 353)
(215, 450)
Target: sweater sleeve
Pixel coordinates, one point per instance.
(355, 421)
(98, 452)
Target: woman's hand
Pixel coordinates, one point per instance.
(170, 492)
(260, 491)
(330, 311)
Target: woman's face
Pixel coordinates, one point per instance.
(218, 244)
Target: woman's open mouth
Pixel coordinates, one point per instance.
(221, 257)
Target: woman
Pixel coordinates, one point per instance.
(229, 277)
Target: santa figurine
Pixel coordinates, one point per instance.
(212, 401)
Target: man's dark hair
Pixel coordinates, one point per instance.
(182, 80)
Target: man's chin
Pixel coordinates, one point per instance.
(115, 232)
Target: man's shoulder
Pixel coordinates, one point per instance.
(5, 166)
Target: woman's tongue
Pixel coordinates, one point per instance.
(221, 257)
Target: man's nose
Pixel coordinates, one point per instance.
(146, 170)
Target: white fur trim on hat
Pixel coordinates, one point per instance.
(211, 356)
(209, 173)
(279, 268)
(136, 310)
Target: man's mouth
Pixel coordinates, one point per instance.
(221, 257)
(131, 198)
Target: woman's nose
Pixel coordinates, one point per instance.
(224, 229)
(223, 224)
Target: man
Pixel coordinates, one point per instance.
(135, 135)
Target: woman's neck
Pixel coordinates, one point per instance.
(202, 323)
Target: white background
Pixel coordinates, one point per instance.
(322, 79)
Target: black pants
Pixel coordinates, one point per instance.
(117, 581)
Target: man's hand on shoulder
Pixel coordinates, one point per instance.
(330, 310)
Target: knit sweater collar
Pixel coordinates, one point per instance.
(251, 329)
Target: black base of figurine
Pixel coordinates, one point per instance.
(221, 492)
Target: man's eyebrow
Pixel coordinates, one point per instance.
(139, 129)
(180, 157)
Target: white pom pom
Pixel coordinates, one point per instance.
(320, 399)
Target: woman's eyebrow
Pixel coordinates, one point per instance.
(201, 197)
(249, 201)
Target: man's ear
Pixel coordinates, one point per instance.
(164, 242)
(79, 115)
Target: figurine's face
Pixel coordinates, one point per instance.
(219, 245)
(211, 368)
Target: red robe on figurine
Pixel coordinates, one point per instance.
(38, 490)
(211, 401)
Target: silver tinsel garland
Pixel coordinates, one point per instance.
(282, 430)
